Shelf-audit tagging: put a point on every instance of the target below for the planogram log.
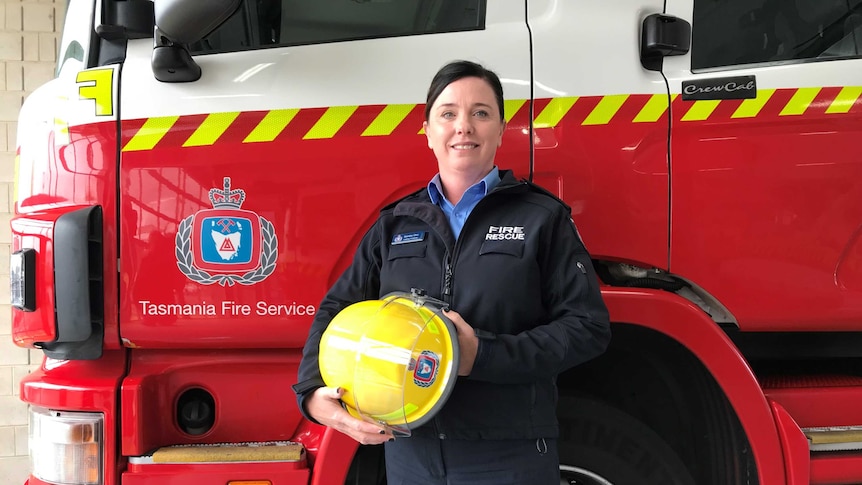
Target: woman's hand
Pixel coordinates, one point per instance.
(467, 341)
(324, 405)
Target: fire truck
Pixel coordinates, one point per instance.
(199, 173)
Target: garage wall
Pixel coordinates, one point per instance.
(29, 35)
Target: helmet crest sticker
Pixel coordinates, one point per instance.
(426, 369)
(226, 244)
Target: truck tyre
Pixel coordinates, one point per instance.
(601, 445)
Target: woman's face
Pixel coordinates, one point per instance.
(464, 128)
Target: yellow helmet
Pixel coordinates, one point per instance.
(396, 358)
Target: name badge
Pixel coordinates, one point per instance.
(408, 237)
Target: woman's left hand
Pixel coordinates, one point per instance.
(467, 341)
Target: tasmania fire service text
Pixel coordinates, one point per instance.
(227, 308)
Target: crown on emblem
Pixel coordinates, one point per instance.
(227, 198)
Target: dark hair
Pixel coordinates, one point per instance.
(458, 70)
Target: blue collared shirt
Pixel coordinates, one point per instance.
(457, 214)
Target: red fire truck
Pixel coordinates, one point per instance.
(199, 173)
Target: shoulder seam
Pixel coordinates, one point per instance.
(389, 207)
(541, 190)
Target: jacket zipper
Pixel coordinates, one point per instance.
(448, 274)
(447, 279)
(449, 266)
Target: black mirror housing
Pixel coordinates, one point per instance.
(663, 35)
(187, 21)
(172, 63)
(179, 23)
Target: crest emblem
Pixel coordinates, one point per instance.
(226, 244)
(425, 372)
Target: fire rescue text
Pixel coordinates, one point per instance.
(498, 233)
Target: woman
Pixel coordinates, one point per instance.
(523, 295)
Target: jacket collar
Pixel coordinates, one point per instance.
(507, 180)
(418, 204)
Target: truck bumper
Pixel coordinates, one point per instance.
(278, 473)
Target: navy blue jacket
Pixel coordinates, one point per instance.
(519, 274)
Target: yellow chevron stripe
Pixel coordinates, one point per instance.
(606, 109)
(511, 106)
(329, 124)
(388, 119)
(213, 126)
(554, 112)
(392, 116)
(845, 100)
(749, 108)
(151, 132)
(700, 110)
(800, 101)
(271, 125)
(654, 108)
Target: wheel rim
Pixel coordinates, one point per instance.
(572, 475)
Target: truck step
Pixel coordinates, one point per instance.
(275, 451)
(838, 438)
(826, 408)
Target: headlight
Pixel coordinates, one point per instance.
(22, 279)
(66, 447)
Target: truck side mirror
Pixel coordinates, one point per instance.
(663, 35)
(181, 22)
(172, 62)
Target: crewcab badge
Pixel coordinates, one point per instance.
(736, 87)
(408, 237)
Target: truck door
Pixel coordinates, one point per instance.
(245, 193)
(766, 202)
(601, 125)
(306, 121)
